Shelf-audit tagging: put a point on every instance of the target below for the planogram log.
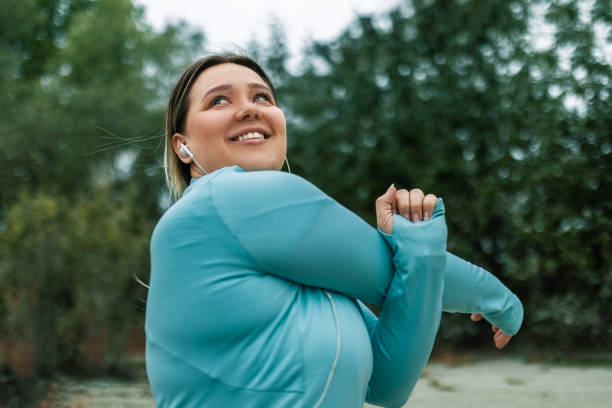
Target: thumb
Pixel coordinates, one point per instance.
(385, 205)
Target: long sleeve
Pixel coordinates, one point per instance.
(471, 289)
(295, 231)
(402, 338)
(317, 242)
(466, 288)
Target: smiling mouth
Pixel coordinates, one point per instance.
(250, 136)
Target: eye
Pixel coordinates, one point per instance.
(262, 97)
(219, 100)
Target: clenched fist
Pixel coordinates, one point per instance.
(413, 205)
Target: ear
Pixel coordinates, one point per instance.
(177, 139)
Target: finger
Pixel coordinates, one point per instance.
(429, 203)
(501, 339)
(394, 204)
(385, 209)
(494, 329)
(476, 317)
(386, 202)
(416, 204)
(402, 198)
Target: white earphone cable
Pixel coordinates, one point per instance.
(198, 164)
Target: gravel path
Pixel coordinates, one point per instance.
(498, 383)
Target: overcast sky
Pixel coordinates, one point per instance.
(231, 23)
(228, 23)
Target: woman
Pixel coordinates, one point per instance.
(256, 273)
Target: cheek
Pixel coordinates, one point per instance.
(281, 125)
(205, 129)
(279, 121)
(281, 118)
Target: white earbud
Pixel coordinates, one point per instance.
(185, 150)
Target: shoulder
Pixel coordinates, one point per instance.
(255, 187)
(194, 203)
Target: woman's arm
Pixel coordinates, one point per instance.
(402, 337)
(295, 231)
(471, 289)
(467, 288)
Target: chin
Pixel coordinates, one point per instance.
(264, 162)
(249, 165)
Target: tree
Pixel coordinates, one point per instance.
(96, 96)
(84, 85)
(454, 98)
(70, 303)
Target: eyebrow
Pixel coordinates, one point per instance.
(228, 86)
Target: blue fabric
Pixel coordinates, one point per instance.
(238, 312)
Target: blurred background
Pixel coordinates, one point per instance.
(501, 107)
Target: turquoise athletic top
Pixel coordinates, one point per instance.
(252, 299)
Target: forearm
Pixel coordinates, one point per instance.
(471, 289)
(403, 336)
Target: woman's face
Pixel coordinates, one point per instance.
(233, 120)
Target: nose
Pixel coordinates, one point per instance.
(248, 110)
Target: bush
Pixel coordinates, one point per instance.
(69, 298)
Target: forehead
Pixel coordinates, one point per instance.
(224, 74)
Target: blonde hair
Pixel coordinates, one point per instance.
(178, 173)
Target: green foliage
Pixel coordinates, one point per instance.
(454, 97)
(96, 96)
(69, 298)
(84, 84)
(32, 31)
(451, 96)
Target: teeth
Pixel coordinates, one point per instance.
(251, 135)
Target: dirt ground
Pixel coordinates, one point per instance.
(512, 384)
(499, 383)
